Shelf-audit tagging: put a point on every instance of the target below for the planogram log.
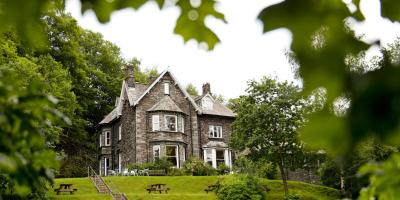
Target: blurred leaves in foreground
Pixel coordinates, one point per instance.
(25, 17)
(26, 116)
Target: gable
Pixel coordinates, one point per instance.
(167, 72)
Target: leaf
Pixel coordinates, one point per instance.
(328, 132)
(390, 9)
(191, 22)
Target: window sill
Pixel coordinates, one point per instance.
(215, 138)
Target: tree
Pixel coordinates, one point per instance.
(267, 122)
(192, 90)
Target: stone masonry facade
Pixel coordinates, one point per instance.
(162, 120)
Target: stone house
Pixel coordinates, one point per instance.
(161, 119)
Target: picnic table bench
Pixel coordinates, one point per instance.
(210, 188)
(159, 187)
(65, 187)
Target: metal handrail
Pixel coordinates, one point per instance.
(91, 171)
(113, 192)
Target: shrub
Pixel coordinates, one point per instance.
(223, 169)
(329, 174)
(293, 196)
(261, 168)
(163, 163)
(196, 167)
(240, 187)
(176, 172)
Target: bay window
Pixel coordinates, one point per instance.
(172, 155)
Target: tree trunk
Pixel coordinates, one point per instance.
(284, 177)
(342, 186)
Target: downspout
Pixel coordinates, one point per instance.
(191, 127)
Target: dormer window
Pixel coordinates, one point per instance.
(207, 103)
(166, 88)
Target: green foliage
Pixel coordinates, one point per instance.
(143, 76)
(240, 187)
(329, 173)
(219, 98)
(293, 196)
(25, 124)
(261, 168)
(383, 179)
(163, 163)
(176, 172)
(223, 169)
(190, 24)
(267, 122)
(192, 90)
(197, 167)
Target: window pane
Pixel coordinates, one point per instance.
(170, 123)
(220, 154)
(171, 151)
(172, 160)
(211, 131)
(220, 157)
(155, 122)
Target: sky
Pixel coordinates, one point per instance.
(245, 53)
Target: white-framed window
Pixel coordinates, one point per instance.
(107, 138)
(166, 88)
(172, 154)
(170, 123)
(119, 163)
(156, 152)
(155, 121)
(181, 124)
(208, 156)
(106, 165)
(101, 139)
(220, 157)
(215, 131)
(119, 132)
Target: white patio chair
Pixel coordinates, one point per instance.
(125, 172)
(134, 172)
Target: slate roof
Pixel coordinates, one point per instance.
(220, 110)
(165, 104)
(110, 117)
(135, 94)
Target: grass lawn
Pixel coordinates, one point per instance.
(183, 188)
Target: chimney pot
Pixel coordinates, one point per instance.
(206, 88)
(130, 75)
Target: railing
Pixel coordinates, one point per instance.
(113, 191)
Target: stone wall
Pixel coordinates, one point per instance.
(308, 176)
(225, 122)
(143, 121)
(206, 120)
(128, 142)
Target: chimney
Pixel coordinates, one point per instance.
(129, 75)
(206, 88)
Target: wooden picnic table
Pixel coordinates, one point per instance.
(65, 187)
(158, 187)
(210, 188)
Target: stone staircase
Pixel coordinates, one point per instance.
(100, 184)
(103, 188)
